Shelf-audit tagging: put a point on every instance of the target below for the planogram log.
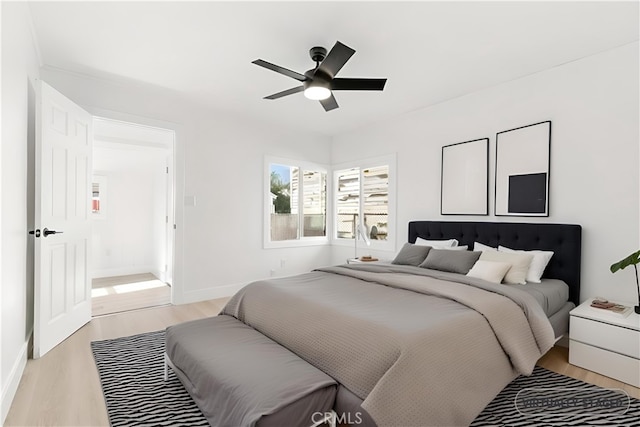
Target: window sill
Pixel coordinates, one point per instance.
(296, 243)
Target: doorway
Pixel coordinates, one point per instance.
(132, 216)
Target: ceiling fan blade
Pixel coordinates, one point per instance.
(285, 93)
(357, 84)
(330, 103)
(335, 60)
(279, 69)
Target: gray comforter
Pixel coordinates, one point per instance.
(420, 347)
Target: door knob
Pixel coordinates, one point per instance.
(46, 232)
(35, 232)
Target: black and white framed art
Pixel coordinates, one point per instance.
(522, 170)
(465, 178)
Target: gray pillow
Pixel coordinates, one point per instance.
(452, 261)
(411, 254)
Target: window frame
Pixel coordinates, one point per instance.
(362, 164)
(301, 240)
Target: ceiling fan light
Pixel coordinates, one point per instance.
(317, 92)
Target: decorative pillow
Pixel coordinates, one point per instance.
(517, 274)
(477, 246)
(456, 248)
(453, 261)
(411, 255)
(491, 271)
(538, 263)
(436, 243)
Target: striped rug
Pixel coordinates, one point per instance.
(549, 399)
(131, 371)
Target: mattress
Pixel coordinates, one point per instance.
(551, 294)
(560, 320)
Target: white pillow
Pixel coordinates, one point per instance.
(438, 244)
(491, 271)
(457, 248)
(538, 263)
(517, 274)
(477, 246)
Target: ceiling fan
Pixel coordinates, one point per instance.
(319, 82)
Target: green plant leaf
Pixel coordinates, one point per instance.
(632, 259)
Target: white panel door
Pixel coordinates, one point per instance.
(62, 294)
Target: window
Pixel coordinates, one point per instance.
(347, 202)
(98, 197)
(296, 204)
(365, 189)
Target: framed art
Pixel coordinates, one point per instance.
(522, 170)
(464, 182)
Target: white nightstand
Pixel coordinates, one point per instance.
(605, 343)
(358, 260)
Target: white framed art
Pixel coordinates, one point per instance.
(522, 170)
(464, 185)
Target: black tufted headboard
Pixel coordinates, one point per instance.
(565, 240)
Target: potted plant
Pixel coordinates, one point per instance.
(633, 259)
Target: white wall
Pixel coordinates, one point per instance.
(19, 69)
(129, 237)
(219, 161)
(593, 106)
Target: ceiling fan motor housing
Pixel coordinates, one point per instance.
(317, 78)
(318, 53)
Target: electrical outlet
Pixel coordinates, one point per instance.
(283, 262)
(272, 272)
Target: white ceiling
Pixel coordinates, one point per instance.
(429, 51)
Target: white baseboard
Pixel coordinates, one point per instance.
(207, 294)
(161, 275)
(123, 271)
(11, 387)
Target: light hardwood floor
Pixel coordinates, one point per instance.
(63, 389)
(124, 293)
(557, 360)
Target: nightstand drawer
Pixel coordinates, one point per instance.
(613, 365)
(606, 336)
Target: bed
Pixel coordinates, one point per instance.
(565, 240)
(415, 346)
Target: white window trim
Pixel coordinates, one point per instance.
(266, 214)
(381, 245)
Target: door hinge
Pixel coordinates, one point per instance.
(167, 169)
(166, 219)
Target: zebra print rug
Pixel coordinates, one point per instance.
(131, 371)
